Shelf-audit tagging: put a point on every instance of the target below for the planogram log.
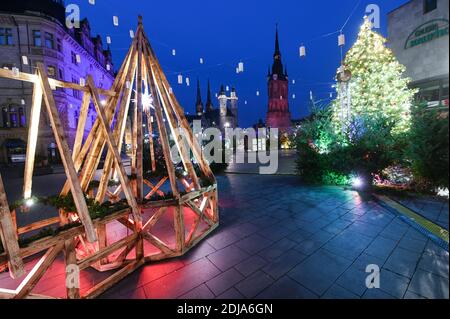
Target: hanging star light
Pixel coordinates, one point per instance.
(147, 100)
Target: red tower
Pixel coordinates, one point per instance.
(278, 115)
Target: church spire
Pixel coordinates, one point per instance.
(209, 104)
(277, 53)
(199, 103)
(277, 67)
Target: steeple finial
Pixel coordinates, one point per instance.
(199, 103)
(277, 67)
(277, 42)
(209, 104)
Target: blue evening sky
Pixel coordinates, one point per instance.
(224, 33)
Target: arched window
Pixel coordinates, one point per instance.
(22, 120)
(5, 117)
(13, 117)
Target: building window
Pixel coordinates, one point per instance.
(59, 45)
(37, 41)
(76, 118)
(51, 71)
(76, 93)
(429, 5)
(6, 37)
(22, 120)
(13, 117)
(5, 117)
(49, 40)
(74, 57)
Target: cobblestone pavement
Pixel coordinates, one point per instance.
(281, 239)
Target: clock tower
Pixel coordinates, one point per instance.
(278, 115)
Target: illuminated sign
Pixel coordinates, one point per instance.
(427, 32)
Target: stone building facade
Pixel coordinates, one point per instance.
(418, 35)
(40, 35)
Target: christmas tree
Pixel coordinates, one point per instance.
(377, 87)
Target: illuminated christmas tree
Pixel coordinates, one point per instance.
(377, 87)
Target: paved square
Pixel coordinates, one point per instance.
(281, 239)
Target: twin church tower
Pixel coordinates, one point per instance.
(278, 115)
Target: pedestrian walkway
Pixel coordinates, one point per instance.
(286, 163)
(281, 239)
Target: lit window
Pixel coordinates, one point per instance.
(49, 40)
(51, 71)
(429, 5)
(13, 117)
(6, 37)
(22, 120)
(37, 40)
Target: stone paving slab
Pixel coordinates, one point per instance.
(281, 239)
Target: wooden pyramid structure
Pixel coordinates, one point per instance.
(162, 214)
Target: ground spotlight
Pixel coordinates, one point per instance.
(357, 182)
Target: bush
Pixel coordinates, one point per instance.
(365, 149)
(428, 148)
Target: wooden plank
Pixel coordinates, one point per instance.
(138, 123)
(37, 225)
(14, 221)
(81, 125)
(158, 243)
(155, 189)
(33, 129)
(164, 139)
(118, 132)
(33, 78)
(45, 243)
(94, 142)
(8, 237)
(113, 279)
(113, 148)
(37, 272)
(154, 219)
(179, 112)
(165, 102)
(102, 240)
(72, 292)
(178, 220)
(199, 213)
(66, 158)
(199, 238)
(106, 251)
(150, 140)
